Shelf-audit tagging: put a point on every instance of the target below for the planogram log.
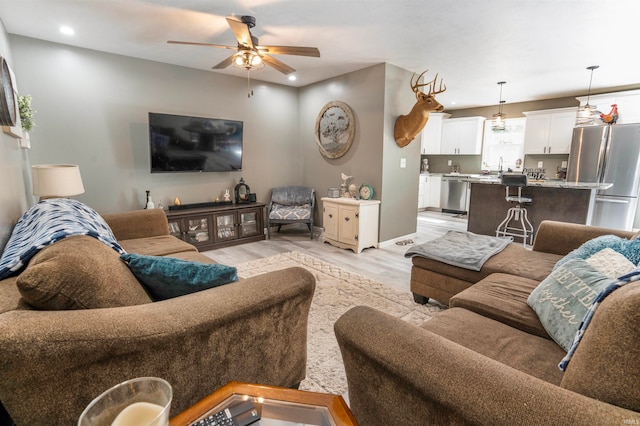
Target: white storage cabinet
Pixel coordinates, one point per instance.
(350, 223)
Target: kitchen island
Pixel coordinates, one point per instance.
(552, 200)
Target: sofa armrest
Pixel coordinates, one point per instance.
(254, 330)
(138, 224)
(399, 373)
(562, 237)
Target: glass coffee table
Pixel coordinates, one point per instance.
(277, 406)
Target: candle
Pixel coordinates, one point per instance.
(137, 414)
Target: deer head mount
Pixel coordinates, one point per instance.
(408, 126)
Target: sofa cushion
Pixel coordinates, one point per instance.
(160, 245)
(629, 248)
(605, 365)
(503, 297)
(523, 351)
(281, 212)
(79, 273)
(168, 277)
(563, 298)
(514, 259)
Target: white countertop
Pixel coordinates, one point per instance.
(547, 183)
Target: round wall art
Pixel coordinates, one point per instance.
(335, 129)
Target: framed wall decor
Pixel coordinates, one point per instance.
(335, 129)
(8, 98)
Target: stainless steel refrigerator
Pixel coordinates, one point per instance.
(608, 154)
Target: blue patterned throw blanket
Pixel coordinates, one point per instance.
(50, 221)
(463, 249)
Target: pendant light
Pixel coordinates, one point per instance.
(498, 124)
(587, 114)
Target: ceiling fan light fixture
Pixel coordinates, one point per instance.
(498, 124)
(587, 114)
(248, 60)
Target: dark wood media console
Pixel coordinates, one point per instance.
(209, 228)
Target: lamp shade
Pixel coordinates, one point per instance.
(56, 180)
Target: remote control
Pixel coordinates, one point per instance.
(241, 414)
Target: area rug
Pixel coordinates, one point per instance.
(337, 291)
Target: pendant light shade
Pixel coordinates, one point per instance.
(498, 124)
(587, 114)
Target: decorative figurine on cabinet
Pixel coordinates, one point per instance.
(242, 192)
(227, 195)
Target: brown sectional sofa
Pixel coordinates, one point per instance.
(439, 281)
(487, 359)
(54, 362)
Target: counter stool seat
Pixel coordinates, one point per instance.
(516, 223)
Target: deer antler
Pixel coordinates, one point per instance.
(432, 85)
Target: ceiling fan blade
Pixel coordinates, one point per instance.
(224, 63)
(192, 43)
(279, 65)
(241, 31)
(291, 50)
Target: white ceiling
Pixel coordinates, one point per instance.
(541, 48)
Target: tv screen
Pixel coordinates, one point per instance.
(180, 143)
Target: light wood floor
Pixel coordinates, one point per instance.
(385, 265)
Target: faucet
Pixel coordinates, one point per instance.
(500, 161)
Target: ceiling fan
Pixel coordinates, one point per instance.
(250, 55)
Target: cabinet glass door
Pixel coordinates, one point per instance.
(198, 230)
(248, 223)
(225, 226)
(175, 228)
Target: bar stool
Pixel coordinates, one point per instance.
(517, 214)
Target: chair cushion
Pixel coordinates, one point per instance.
(168, 277)
(292, 195)
(79, 272)
(281, 212)
(161, 245)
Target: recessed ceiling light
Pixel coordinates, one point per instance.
(292, 78)
(66, 30)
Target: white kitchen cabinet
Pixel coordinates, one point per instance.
(434, 184)
(462, 136)
(422, 186)
(628, 103)
(432, 133)
(549, 131)
(350, 223)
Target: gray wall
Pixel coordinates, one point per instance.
(92, 110)
(363, 91)
(377, 95)
(400, 185)
(14, 164)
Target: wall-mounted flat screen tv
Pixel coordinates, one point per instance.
(179, 143)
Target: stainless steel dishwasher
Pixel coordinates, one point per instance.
(454, 194)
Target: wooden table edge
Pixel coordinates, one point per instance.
(336, 405)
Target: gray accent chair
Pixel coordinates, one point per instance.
(291, 204)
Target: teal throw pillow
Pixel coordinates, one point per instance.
(628, 248)
(167, 277)
(562, 300)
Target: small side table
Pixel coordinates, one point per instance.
(277, 406)
(349, 223)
